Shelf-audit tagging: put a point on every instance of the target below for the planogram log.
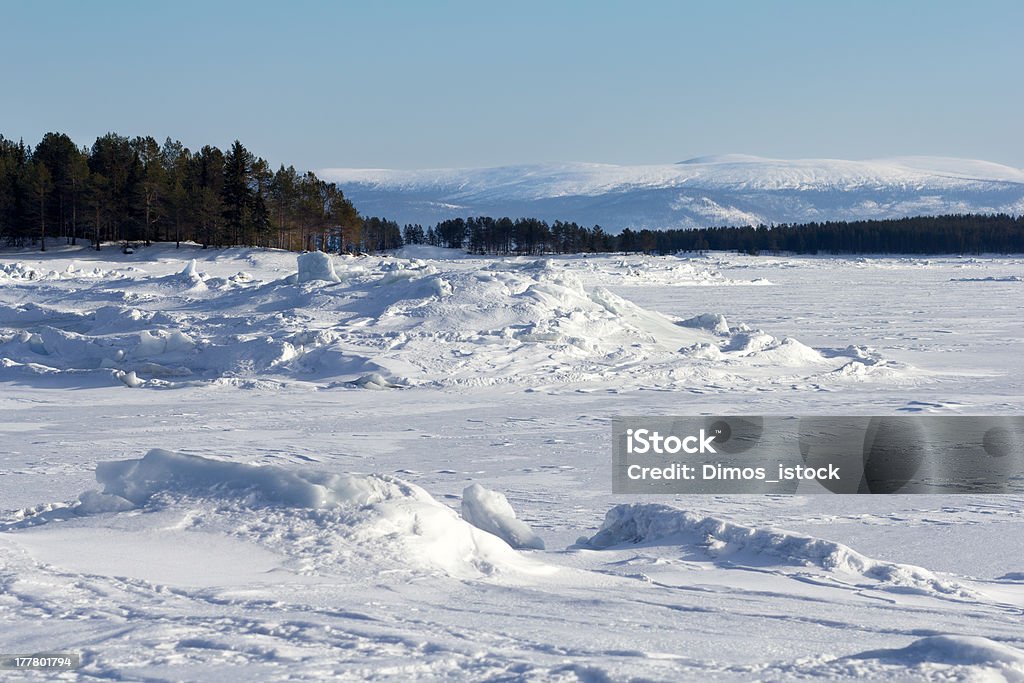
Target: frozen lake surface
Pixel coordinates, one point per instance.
(371, 402)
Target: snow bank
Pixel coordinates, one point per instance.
(662, 524)
(948, 649)
(490, 511)
(159, 471)
(377, 516)
(316, 265)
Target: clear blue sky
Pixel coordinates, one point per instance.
(434, 84)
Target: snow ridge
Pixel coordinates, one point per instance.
(662, 524)
(389, 323)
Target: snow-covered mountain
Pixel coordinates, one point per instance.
(704, 191)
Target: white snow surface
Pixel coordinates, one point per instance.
(213, 471)
(730, 189)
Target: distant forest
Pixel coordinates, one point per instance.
(954, 234)
(138, 190)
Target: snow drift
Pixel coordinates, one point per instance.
(647, 523)
(378, 517)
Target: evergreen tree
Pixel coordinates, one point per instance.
(14, 200)
(175, 159)
(40, 182)
(56, 152)
(205, 178)
(258, 219)
(114, 158)
(152, 183)
(237, 195)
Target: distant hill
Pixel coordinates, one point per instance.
(705, 191)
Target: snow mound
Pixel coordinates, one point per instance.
(377, 516)
(490, 511)
(714, 322)
(662, 524)
(375, 380)
(760, 347)
(316, 265)
(190, 276)
(159, 471)
(948, 649)
(472, 327)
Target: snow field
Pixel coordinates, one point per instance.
(326, 479)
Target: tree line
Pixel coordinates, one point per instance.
(486, 235)
(138, 190)
(951, 234)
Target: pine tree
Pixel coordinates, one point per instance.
(41, 182)
(152, 183)
(236, 193)
(55, 152)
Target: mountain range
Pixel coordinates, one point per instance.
(704, 191)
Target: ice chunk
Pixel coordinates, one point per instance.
(94, 502)
(375, 380)
(713, 322)
(316, 265)
(490, 511)
(190, 276)
(130, 379)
